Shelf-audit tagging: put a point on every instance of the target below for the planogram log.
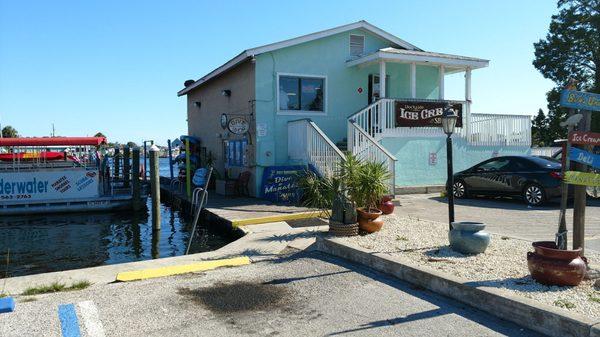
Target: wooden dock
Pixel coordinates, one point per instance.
(242, 211)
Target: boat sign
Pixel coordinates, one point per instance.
(580, 100)
(582, 178)
(48, 185)
(584, 157)
(584, 138)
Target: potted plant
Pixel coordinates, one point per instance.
(367, 186)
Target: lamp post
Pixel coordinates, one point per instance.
(449, 118)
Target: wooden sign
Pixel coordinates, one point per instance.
(423, 114)
(584, 157)
(584, 138)
(580, 100)
(582, 178)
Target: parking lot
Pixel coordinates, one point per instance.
(505, 216)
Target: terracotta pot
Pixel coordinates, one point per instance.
(552, 266)
(370, 226)
(387, 207)
(373, 214)
(387, 198)
(367, 221)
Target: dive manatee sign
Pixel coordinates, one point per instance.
(280, 183)
(424, 113)
(580, 100)
(48, 185)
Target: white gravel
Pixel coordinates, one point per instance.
(503, 265)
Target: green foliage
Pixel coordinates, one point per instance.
(571, 50)
(131, 144)
(55, 287)
(363, 183)
(562, 303)
(99, 134)
(9, 132)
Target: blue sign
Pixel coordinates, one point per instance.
(584, 157)
(580, 100)
(280, 183)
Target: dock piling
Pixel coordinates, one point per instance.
(126, 166)
(116, 163)
(136, 183)
(155, 187)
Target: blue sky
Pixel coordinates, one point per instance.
(115, 66)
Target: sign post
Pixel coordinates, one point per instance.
(587, 102)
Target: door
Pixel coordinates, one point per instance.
(374, 92)
(490, 177)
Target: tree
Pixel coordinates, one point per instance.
(99, 134)
(571, 50)
(539, 129)
(131, 144)
(9, 132)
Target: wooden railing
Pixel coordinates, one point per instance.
(307, 142)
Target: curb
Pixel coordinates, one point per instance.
(527, 313)
(275, 218)
(399, 190)
(144, 274)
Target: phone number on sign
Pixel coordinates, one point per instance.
(18, 196)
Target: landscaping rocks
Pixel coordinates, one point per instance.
(503, 265)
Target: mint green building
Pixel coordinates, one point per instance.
(352, 88)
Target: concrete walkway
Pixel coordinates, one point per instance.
(302, 294)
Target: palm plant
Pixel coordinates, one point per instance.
(371, 184)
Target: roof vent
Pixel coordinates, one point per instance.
(188, 83)
(357, 45)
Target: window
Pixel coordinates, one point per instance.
(357, 45)
(493, 165)
(301, 94)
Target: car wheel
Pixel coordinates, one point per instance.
(459, 189)
(534, 195)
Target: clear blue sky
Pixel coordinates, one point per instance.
(115, 66)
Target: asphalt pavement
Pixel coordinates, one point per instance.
(509, 217)
(303, 294)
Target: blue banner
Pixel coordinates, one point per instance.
(584, 157)
(280, 183)
(580, 100)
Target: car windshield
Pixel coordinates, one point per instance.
(545, 162)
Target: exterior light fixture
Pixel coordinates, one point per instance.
(449, 118)
(198, 104)
(226, 92)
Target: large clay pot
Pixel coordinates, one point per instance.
(468, 237)
(552, 266)
(367, 221)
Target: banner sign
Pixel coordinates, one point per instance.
(48, 185)
(582, 178)
(584, 157)
(580, 100)
(584, 138)
(280, 183)
(422, 114)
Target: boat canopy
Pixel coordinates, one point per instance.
(52, 141)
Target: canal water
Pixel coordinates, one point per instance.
(45, 243)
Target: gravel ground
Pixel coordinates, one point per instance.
(503, 265)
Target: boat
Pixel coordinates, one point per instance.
(58, 174)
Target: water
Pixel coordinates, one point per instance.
(45, 243)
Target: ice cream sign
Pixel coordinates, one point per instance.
(48, 185)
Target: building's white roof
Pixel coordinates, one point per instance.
(397, 42)
(453, 63)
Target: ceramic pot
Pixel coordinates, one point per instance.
(367, 221)
(387, 207)
(468, 237)
(552, 266)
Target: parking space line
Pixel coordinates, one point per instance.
(69, 324)
(91, 319)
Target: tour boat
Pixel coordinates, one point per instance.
(58, 174)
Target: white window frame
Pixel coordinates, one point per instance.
(350, 48)
(302, 112)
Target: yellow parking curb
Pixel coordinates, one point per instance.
(181, 269)
(275, 218)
